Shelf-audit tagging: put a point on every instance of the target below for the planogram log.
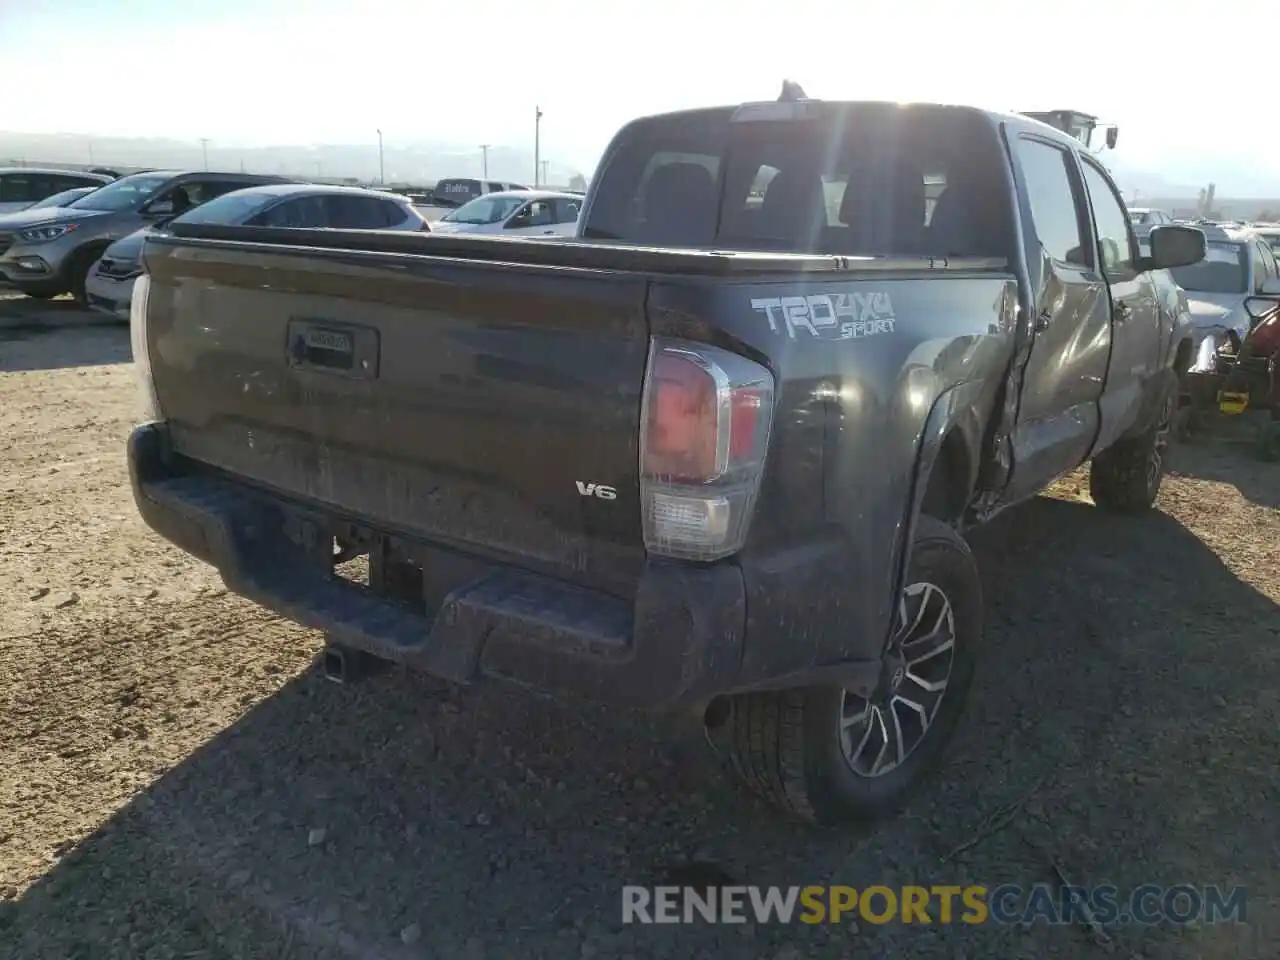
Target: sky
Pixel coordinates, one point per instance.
(270, 72)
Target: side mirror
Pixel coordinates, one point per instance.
(161, 208)
(1173, 246)
(1258, 308)
(1113, 134)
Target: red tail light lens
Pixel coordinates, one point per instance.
(707, 414)
(682, 420)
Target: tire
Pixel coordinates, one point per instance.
(788, 746)
(40, 291)
(78, 272)
(1267, 445)
(1125, 478)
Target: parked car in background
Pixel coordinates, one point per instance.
(1144, 218)
(20, 187)
(455, 191)
(63, 198)
(516, 213)
(1269, 232)
(109, 287)
(48, 252)
(1238, 264)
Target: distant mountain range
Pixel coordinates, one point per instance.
(418, 162)
(1176, 185)
(1185, 179)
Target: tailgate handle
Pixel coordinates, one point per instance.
(332, 348)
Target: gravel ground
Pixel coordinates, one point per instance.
(178, 782)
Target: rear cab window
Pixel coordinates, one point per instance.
(862, 179)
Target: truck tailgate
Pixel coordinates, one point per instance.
(464, 402)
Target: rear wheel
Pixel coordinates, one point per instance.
(1126, 477)
(828, 755)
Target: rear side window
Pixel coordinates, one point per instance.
(871, 179)
(25, 187)
(356, 213)
(71, 182)
(299, 213)
(1053, 202)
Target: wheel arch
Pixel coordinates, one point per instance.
(946, 466)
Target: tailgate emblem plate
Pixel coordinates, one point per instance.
(335, 349)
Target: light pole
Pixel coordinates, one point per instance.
(204, 146)
(537, 143)
(484, 159)
(545, 164)
(382, 170)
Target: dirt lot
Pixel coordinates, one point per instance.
(176, 781)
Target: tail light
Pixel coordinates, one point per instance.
(705, 422)
(138, 342)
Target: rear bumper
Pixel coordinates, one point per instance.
(677, 644)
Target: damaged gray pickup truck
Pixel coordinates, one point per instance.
(715, 453)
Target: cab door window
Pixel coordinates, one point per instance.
(566, 210)
(538, 213)
(1115, 242)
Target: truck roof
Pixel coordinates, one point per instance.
(775, 108)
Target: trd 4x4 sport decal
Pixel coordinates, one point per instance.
(829, 316)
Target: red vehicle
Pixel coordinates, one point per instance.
(1251, 378)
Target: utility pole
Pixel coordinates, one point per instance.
(204, 146)
(545, 164)
(537, 143)
(382, 170)
(91, 153)
(484, 159)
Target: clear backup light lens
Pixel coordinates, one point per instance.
(705, 431)
(138, 342)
